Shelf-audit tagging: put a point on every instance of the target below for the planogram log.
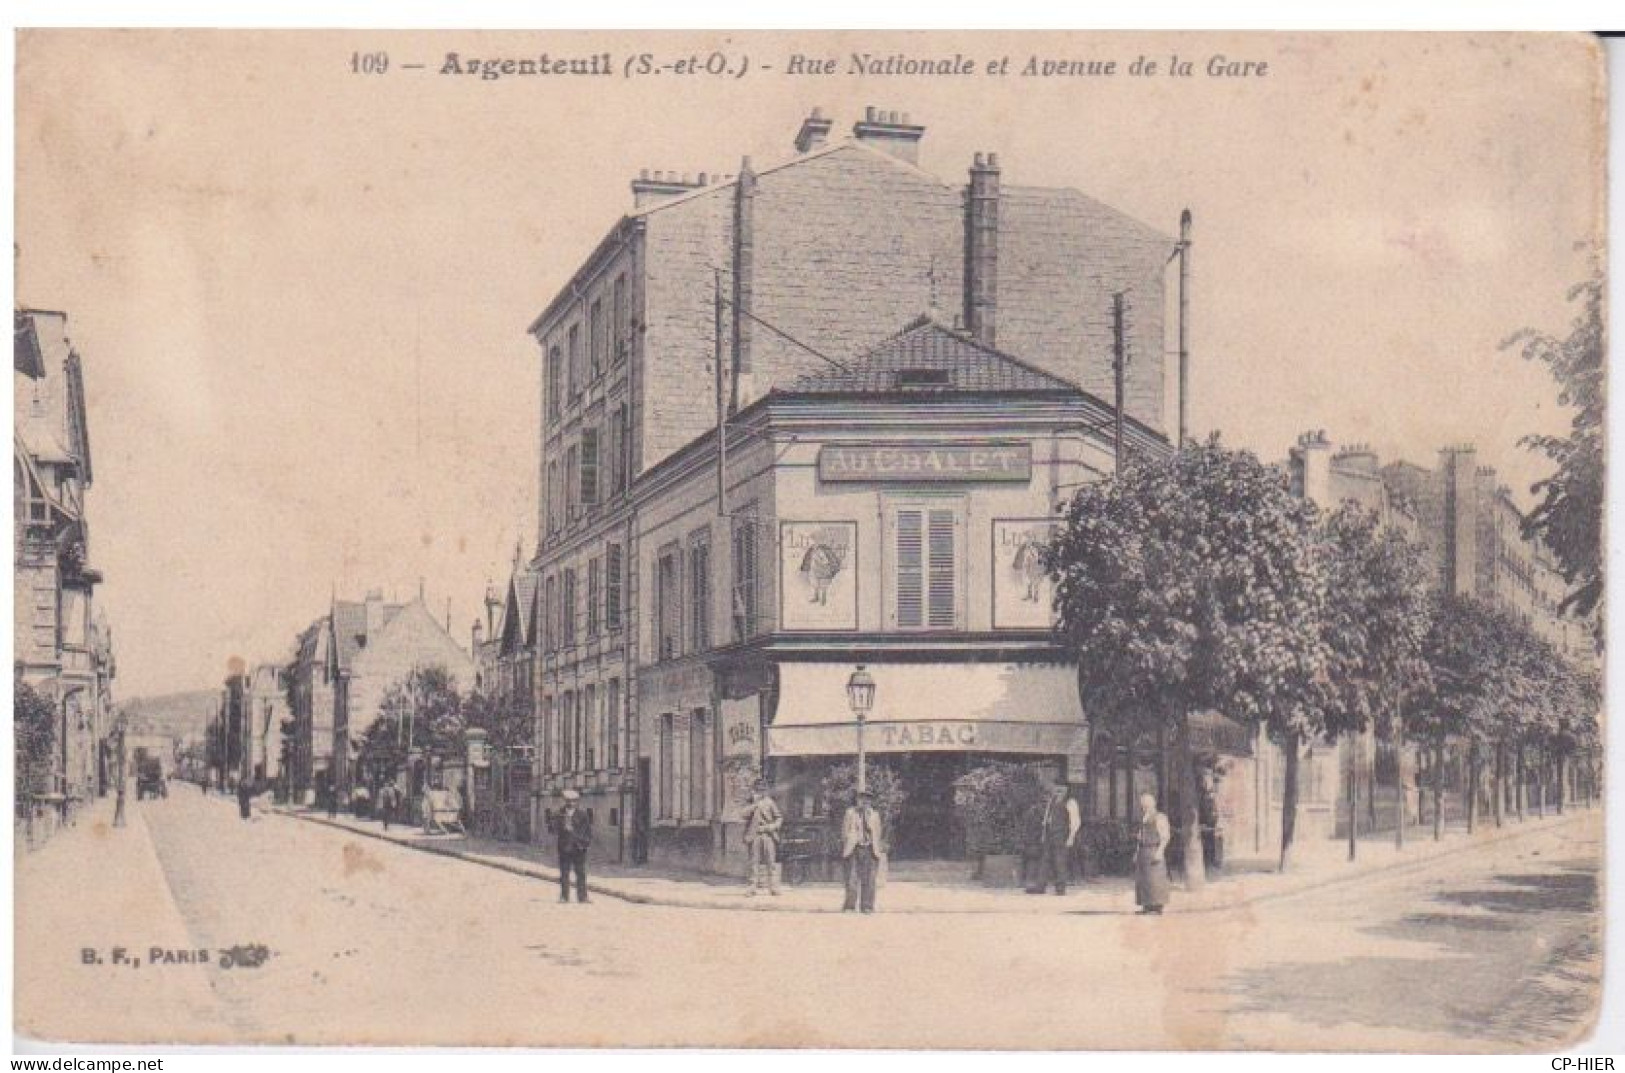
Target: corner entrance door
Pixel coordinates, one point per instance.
(640, 827)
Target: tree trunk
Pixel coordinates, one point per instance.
(1190, 827)
(1472, 787)
(1500, 780)
(1438, 791)
(1562, 776)
(1401, 798)
(1518, 789)
(1289, 796)
(1540, 784)
(1354, 793)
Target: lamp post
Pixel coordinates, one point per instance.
(118, 808)
(860, 693)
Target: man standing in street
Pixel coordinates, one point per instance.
(1057, 831)
(386, 804)
(763, 823)
(245, 797)
(575, 835)
(862, 847)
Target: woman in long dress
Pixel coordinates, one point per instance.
(1150, 861)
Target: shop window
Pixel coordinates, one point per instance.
(925, 563)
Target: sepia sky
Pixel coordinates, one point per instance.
(301, 293)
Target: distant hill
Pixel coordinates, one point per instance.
(172, 715)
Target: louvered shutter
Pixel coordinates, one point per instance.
(941, 570)
(589, 468)
(910, 569)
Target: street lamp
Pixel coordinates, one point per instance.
(860, 693)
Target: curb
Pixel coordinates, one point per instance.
(539, 872)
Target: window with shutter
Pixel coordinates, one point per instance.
(589, 468)
(595, 591)
(941, 571)
(612, 587)
(910, 570)
(744, 575)
(568, 611)
(572, 480)
(925, 566)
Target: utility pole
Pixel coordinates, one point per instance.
(1119, 360)
(722, 402)
(118, 808)
(1184, 322)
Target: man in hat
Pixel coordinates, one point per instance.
(862, 847)
(763, 824)
(575, 835)
(1057, 830)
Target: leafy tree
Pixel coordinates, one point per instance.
(506, 719)
(34, 735)
(1376, 616)
(839, 789)
(423, 711)
(1568, 516)
(1191, 584)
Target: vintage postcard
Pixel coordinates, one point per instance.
(832, 539)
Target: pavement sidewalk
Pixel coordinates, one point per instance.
(1314, 864)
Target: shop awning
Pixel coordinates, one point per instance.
(964, 707)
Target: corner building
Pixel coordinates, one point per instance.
(823, 261)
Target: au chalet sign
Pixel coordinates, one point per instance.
(926, 462)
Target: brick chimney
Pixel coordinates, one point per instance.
(1311, 468)
(375, 614)
(650, 187)
(1458, 473)
(982, 249)
(814, 131)
(890, 132)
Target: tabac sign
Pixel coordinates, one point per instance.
(926, 462)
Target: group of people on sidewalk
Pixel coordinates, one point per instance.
(863, 848)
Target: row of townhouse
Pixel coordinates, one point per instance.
(63, 647)
(344, 664)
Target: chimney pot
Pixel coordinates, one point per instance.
(702, 178)
(993, 160)
(869, 114)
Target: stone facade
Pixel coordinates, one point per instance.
(817, 259)
(63, 647)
